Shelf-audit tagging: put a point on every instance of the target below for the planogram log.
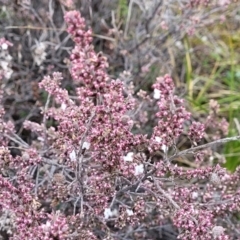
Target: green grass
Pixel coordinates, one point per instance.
(122, 10)
(232, 152)
(218, 77)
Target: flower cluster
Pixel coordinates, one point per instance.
(89, 175)
(171, 115)
(196, 131)
(219, 126)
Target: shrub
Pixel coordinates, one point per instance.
(91, 174)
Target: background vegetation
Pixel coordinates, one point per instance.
(196, 42)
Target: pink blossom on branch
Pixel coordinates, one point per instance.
(196, 131)
(92, 177)
(171, 115)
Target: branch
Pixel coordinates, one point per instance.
(194, 149)
(167, 196)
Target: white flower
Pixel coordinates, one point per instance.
(129, 212)
(46, 226)
(128, 157)
(194, 195)
(4, 46)
(164, 148)
(86, 145)
(41, 139)
(139, 169)
(204, 38)
(156, 94)
(179, 45)
(108, 213)
(4, 65)
(63, 106)
(73, 156)
(8, 73)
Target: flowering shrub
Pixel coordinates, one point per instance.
(90, 176)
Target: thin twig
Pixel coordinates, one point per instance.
(45, 120)
(194, 149)
(166, 195)
(128, 18)
(19, 141)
